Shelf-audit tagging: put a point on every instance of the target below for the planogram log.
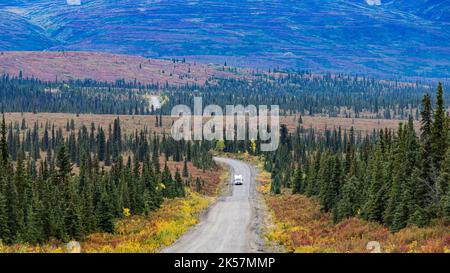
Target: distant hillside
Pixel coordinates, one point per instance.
(436, 10)
(16, 33)
(387, 38)
(107, 67)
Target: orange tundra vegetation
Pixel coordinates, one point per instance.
(300, 226)
(149, 234)
(108, 67)
(209, 178)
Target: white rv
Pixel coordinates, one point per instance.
(238, 180)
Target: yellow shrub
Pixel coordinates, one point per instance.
(133, 234)
(126, 212)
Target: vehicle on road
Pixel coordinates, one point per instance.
(238, 180)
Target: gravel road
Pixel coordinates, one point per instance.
(231, 225)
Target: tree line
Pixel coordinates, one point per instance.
(310, 94)
(295, 92)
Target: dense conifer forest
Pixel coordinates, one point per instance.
(294, 92)
(396, 178)
(59, 187)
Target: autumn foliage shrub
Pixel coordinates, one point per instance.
(152, 232)
(146, 234)
(300, 226)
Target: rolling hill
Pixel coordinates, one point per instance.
(108, 67)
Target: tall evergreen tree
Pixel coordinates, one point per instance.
(446, 205)
(425, 187)
(198, 185)
(179, 185)
(439, 129)
(167, 180)
(444, 181)
(4, 228)
(3, 142)
(63, 164)
(185, 169)
(374, 206)
(406, 205)
(73, 214)
(275, 186)
(298, 181)
(32, 230)
(105, 213)
(15, 212)
(347, 205)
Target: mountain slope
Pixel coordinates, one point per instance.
(395, 38)
(438, 10)
(16, 33)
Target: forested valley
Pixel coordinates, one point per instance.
(65, 183)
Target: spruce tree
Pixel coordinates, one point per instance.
(167, 180)
(275, 186)
(125, 180)
(374, 207)
(3, 143)
(424, 190)
(4, 228)
(399, 177)
(185, 169)
(298, 181)
(406, 205)
(330, 183)
(179, 185)
(88, 208)
(348, 203)
(101, 145)
(49, 213)
(198, 185)
(312, 179)
(286, 182)
(105, 213)
(108, 153)
(155, 193)
(73, 214)
(63, 164)
(15, 211)
(446, 205)
(439, 129)
(444, 174)
(410, 175)
(32, 228)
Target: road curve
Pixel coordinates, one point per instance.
(231, 224)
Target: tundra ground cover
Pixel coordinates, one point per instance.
(299, 225)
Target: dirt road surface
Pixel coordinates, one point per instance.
(231, 225)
